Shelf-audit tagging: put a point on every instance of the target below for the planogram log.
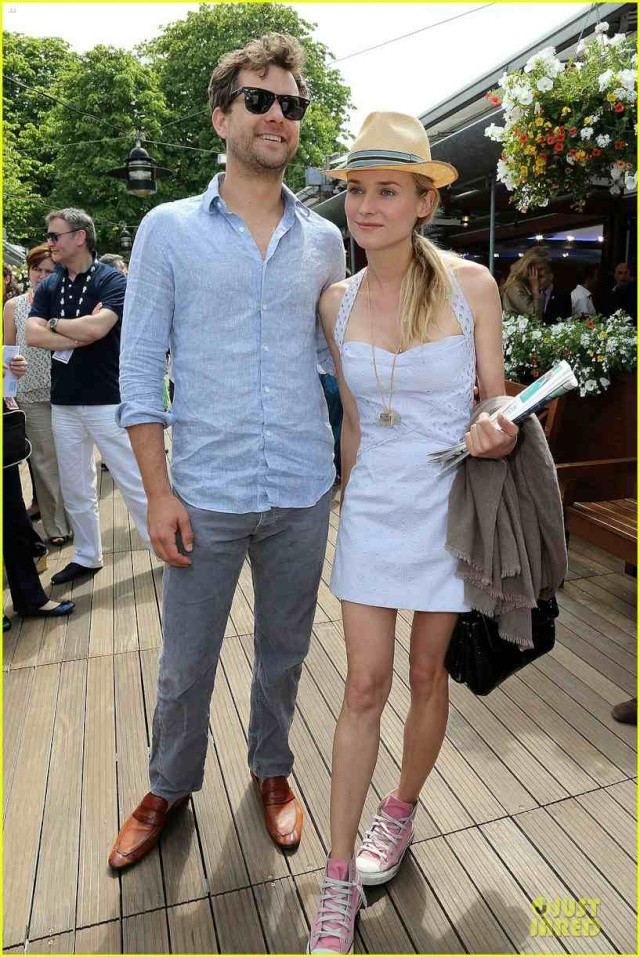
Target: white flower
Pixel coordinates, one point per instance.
(522, 94)
(590, 385)
(631, 181)
(523, 322)
(602, 27)
(536, 334)
(571, 160)
(586, 132)
(605, 383)
(582, 46)
(617, 39)
(584, 340)
(615, 172)
(603, 140)
(495, 133)
(621, 93)
(505, 176)
(615, 190)
(544, 84)
(627, 78)
(604, 79)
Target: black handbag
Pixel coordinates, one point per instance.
(478, 657)
(16, 447)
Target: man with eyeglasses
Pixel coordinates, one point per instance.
(229, 281)
(77, 314)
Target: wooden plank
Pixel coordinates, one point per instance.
(581, 590)
(421, 912)
(237, 923)
(625, 606)
(584, 695)
(591, 676)
(577, 871)
(626, 794)
(15, 705)
(142, 884)
(597, 558)
(100, 939)
(98, 886)
(487, 764)
(621, 585)
(537, 878)
(497, 886)
(191, 928)
(125, 625)
(54, 899)
(611, 749)
(27, 650)
(616, 865)
(481, 933)
(593, 762)
(24, 813)
(58, 944)
(573, 628)
(282, 917)
(602, 663)
(101, 633)
(612, 818)
(146, 934)
(263, 861)
(584, 620)
(145, 601)
(184, 877)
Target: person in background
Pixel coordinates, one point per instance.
(623, 294)
(21, 542)
(76, 315)
(34, 398)
(556, 303)
(112, 259)
(522, 289)
(582, 296)
(10, 285)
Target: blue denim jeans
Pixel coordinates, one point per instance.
(286, 549)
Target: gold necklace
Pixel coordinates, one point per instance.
(388, 416)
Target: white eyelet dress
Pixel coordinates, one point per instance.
(391, 551)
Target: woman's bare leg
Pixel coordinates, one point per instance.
(369, 635)
(427, 719)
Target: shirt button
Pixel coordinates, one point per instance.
(267, 432)
(267, 389)
(266, 348)
(264, 306)
(242, 229)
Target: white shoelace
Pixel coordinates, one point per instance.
(384, 831)
(335, 904)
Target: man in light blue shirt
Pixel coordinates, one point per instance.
(229, 281)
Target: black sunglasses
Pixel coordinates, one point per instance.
(260, 101)
(54, 237)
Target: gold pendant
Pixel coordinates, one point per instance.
(389, 417)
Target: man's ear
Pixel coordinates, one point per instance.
(220, 121)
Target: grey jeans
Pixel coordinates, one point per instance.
(286, 548)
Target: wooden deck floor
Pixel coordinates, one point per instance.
(534, 793)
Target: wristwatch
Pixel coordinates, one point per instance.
(53, 323)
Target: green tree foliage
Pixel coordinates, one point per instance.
(30, 68)
(107, 95)
(184, 56)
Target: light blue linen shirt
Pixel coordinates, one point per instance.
(250, 422)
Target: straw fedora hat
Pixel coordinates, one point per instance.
(394, 141)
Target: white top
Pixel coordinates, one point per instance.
(582, 302)
(35, 385)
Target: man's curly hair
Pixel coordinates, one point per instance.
(273, 49)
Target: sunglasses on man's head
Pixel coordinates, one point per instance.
(54, 237)
(260, 101)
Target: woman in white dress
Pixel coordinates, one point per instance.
(409, 336)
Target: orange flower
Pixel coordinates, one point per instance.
(619, 145)
(573, 131)
(590, 324)
(558, 148)
(619, 107)
(595, 151)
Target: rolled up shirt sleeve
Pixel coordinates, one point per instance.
(146, 326)
(337, 271)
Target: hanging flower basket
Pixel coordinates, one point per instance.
(596, 348)
(569, 124)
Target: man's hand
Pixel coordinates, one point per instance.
(491, 440)
(166, 517)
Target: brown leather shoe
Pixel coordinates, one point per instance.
(141, 830)
(626, 712)
(282, 811)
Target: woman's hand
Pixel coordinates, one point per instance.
(534, 280)
(17, 366)
(491, 440)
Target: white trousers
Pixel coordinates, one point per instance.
(76, 428)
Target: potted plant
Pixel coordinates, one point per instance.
(569, 127)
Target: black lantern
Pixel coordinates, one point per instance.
(125, 239)
(140, 172)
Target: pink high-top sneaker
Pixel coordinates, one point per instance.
(333, 926)
(380, 855)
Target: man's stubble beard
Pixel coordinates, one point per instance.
(244, 152)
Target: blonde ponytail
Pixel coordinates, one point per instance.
(426, 285)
